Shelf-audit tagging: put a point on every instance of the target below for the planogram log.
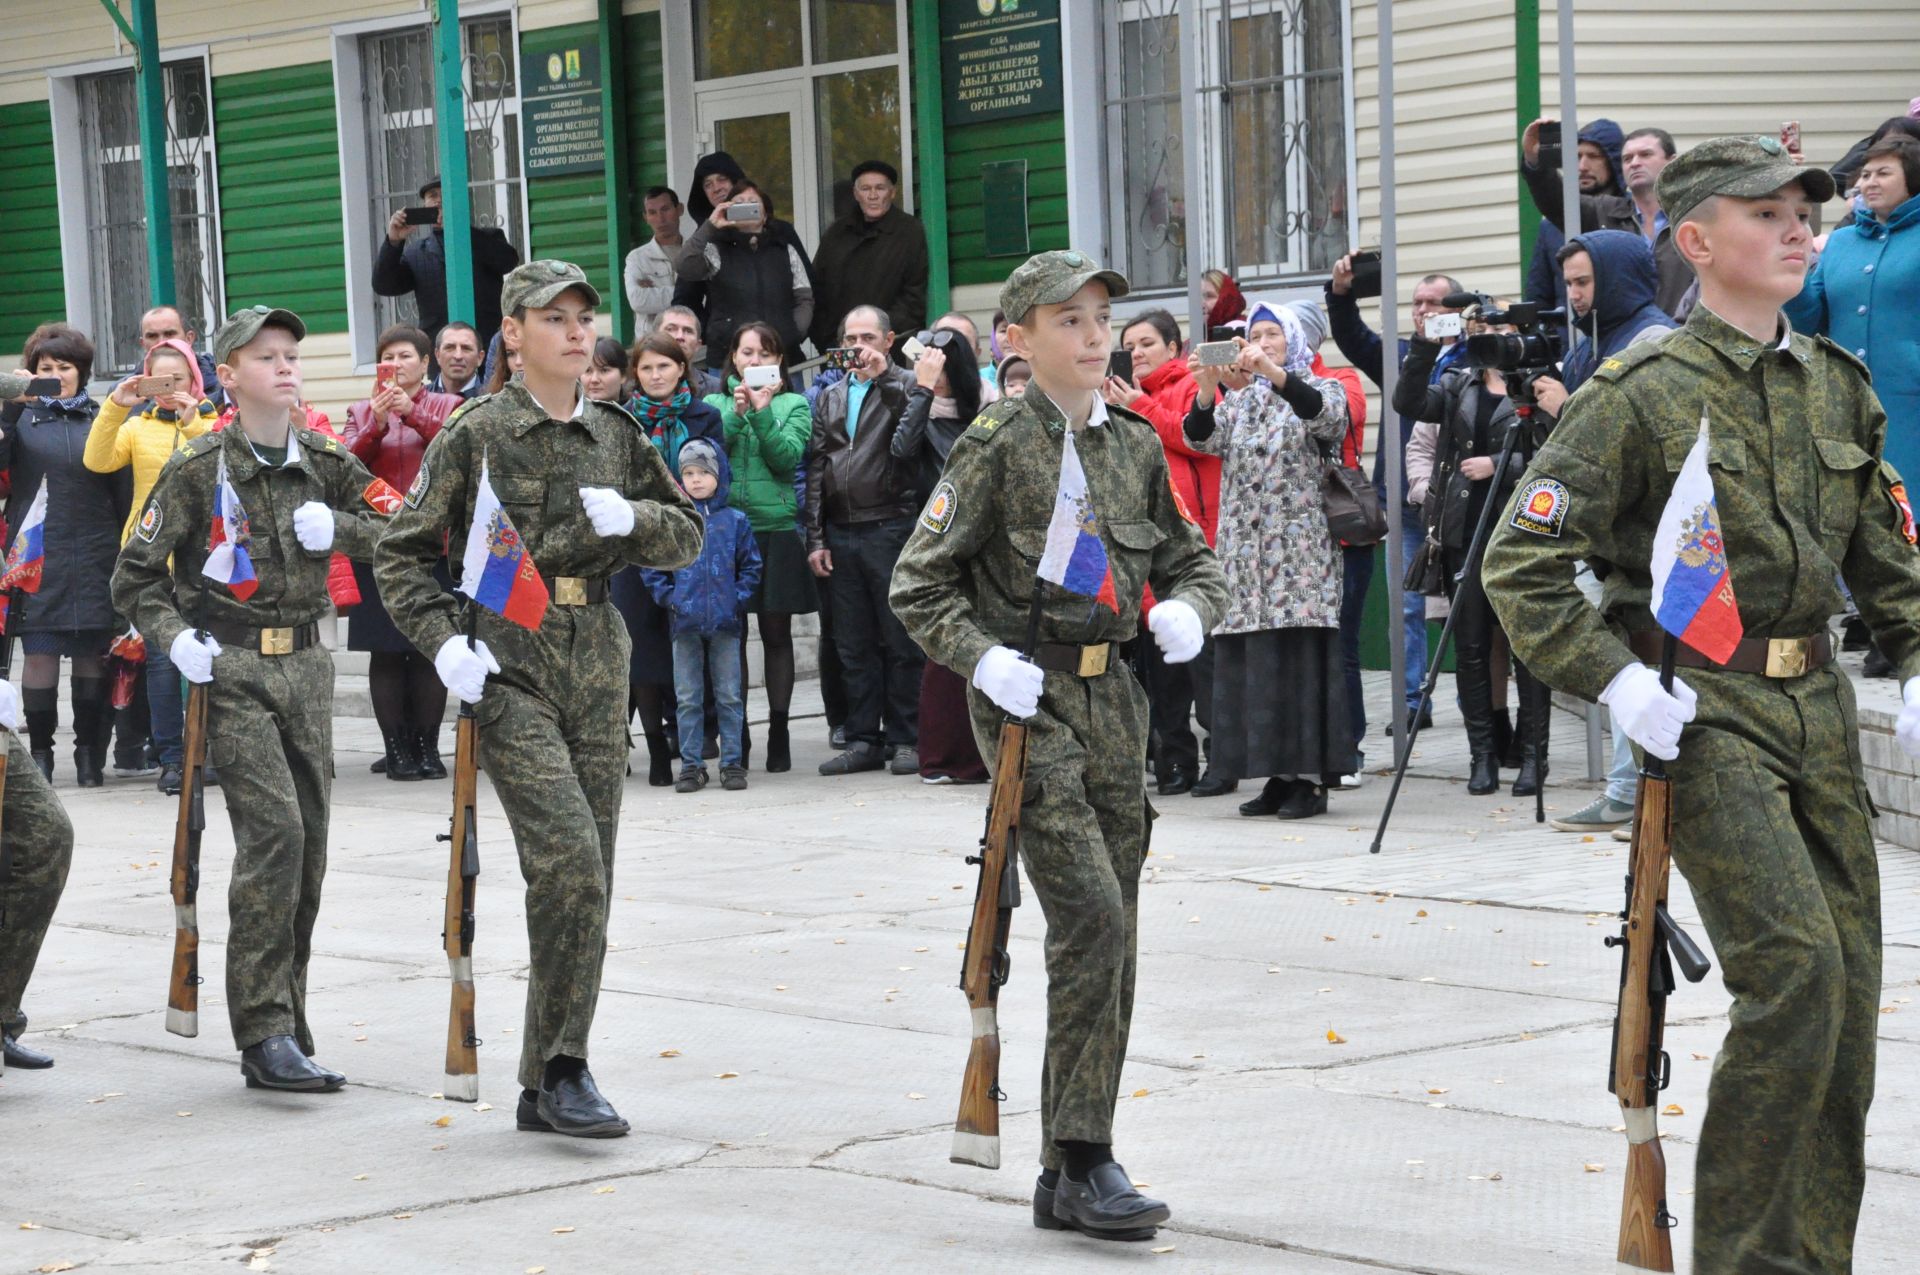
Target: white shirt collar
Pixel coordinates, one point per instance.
(1098, 416)
(293, 448)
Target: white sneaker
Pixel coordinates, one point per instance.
(1623, 833)
(936, 779)
(1350, 782)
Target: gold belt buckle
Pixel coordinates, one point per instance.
(570, 591)
(276, 641)
(1788, 657)
(1093, 659)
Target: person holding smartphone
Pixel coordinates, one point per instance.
(413, 259)
(750, 272)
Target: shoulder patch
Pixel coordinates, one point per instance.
(419, 488)
(1896, 489)
(381, 497)
(1617, 366)
(150, 522)
(1540, 507)
(994, 415)
(941, 507)
(207, 442)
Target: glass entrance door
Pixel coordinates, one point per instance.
(764, 130)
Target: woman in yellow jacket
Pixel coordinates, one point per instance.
(127, 434)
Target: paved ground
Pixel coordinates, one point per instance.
(781, 1025)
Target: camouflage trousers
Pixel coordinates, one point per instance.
(553, 739)
(1771, 828)
(1083, 839)
(270, 735)
(40, 840)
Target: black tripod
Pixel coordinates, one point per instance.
(1523, 403)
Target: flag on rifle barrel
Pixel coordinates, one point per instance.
(1692, 586)
(1075, 559)
(228, 561)
(497, 571)
(27, 557)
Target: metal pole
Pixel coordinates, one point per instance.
(613, 127)
(1569, 141)
(150, 90)
(929, 100)
(1389, 437)
(1526, 109)
(1192, 166)
(450, 120)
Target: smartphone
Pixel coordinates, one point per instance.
(1217, 353)
(1366, 274)
(1790, 135)
(423, 216)
(44, 387)
(1222, 333)
(743, 212)
(1120, 364)
(759, 378)
(1550, 145)
(844, 358)
(384, 375)
(1441, 326)
(155, 386)
(912, 349)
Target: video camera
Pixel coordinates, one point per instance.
(1523, 356)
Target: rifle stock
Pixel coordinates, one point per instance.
(984, 967)
(462, 1083)
(183, 987)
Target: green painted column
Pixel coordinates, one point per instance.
(1526, 109)
(150, 96)
(450, 131)
(613, 127)
(928, 122)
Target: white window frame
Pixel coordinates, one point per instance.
(70, 160)
(356, 165)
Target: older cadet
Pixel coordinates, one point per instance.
(270, 702)
(1772, 826)
(963, 587)
(36, 841)
(588, 494)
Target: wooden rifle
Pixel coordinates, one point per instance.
(1651, 944)
(463, 872)
(183, 989)
(985, 965)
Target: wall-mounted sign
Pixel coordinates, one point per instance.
(999, 58)
(560, 90)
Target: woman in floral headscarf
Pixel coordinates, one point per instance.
(1279, 706)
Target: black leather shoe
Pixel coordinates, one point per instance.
(1270, 799)
(526, 1114)
(1105, 1205)
(1304, 802)
(1211, 785)
(170, 780)
(1527, 782)
(277, 1063)
(1484, 776)
(859, 756)
(573, 1106)
(1177, 781)
(43, 758)
(837, 739)
(18, 1055)
(1044, 1219)
(1425, 722)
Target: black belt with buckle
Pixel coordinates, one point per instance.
(575, 591)
(1070, 657)
(282, 641)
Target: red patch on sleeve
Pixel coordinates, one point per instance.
(381, 497)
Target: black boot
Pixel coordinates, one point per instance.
(41, 705)
(402, 763)
(90, 708)
(1271, 798)
(1476, 709)
(1506, 745)
(779, 754)
(1532, 731)
(660, 757)
(1305, 801)
(427, 748)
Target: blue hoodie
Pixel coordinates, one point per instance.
(1625, 278)
(709, 596)
(1545, 286)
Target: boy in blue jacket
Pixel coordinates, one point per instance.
(707, 601)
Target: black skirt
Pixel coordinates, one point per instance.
(786, 581)
(1280, 706)
(652, 661)
(369, 627)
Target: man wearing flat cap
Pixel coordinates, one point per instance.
(587, 495)
(1772, 825)
(875, 255)
(968, 589)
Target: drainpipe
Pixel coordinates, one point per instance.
(932, 167)
(450, 135)
(613, 127)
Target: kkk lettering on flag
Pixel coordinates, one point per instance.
(228, 561)
(27, 556)
(1075, 559)
(497, 571)
(1692, 585)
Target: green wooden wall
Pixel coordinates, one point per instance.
(29, 227)
(646, 118)
(1041, 140)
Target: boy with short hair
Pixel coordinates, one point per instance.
(707, 600)
(277, 498)
(1771, 822)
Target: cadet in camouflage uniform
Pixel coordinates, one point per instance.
(963, 587)
(1772, 823)
(37, 849)
(588, 495)
(270, 702)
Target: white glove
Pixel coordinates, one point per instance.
(608, 511)
(193, 656)
(313, 526)
(463, 669)
(1009, 681)
(1650, 717)
(1176, 630)
(1907, 729)
(9, 706)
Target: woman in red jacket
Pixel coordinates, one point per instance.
(390, 433)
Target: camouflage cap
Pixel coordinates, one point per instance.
(244, 325)
(1744, 167)
(538, 283)
(13, 384)
(1048, 278)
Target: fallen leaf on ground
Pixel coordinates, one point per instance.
(603, 1190)
(1139, 1093)
(29, 1226)
(669, 1053)
(401, 1217)
(779, 987)
(536, 1270)
(359, 1177)
(1436, 1091)
(726, 1075)
(53, 1268)
(1335, 1038)
(1164, 1248)
(1539, 964)
(483, 1106)
(443, 1122)
(919, 949)
(916, 1097)
(1673, 1109)
(1421, 912)
(563, 1230)
(183, 1113)
(1594, 1168)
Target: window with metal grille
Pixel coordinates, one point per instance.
(118, 280)
(1270, 116)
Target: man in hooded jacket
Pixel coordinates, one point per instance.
(1611, 294)
(1599, 175)
(692, 293)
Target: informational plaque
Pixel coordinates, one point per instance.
(560, 89)
(999, 59)
(1003, 188)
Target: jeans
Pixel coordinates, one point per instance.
(1353, 606)
(164, 706)
(879, 662)
(1623, 777)
(696, 658)
(1413, 608)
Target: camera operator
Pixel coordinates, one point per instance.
(1474, 407)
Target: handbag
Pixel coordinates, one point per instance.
(1426, 570)
(1353, 507)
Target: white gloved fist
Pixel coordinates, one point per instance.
(608, 511)
(9, 706)
(463, 669)
(1176, 629)
(193, 656)
(1907, 729)
(313, 526)
(1650, 717)
(1009, 681)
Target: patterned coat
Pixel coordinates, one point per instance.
(1283, 568)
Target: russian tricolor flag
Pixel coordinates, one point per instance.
(1074, 558)
(27, 556)
(227, 559)
(1692, 587)
(497, 571)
